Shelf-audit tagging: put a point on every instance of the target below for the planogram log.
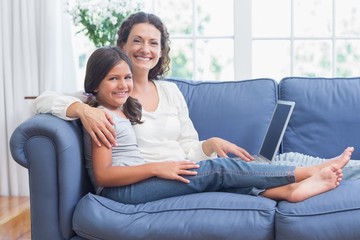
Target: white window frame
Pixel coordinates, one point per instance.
(242, 40)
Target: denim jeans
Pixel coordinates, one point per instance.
(220, 174)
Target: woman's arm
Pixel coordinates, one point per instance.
(206, 149)
(222, 147)
(97, 122)
(56, 103)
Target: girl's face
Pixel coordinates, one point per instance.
(143, 46)
(115, 88)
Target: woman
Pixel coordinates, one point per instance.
(122, 174)
(145, 40)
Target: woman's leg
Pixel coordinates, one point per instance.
(350, 171)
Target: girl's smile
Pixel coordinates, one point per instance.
(116, 87)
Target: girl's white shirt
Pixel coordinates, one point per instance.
(167, 134)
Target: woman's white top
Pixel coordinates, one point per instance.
(167, 134)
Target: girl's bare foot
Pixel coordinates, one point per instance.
(326, 179)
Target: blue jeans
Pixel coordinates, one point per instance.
(220, 174)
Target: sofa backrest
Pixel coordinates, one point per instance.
(238, 111)
(325, 121)
(326, 117)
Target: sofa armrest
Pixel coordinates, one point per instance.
(51, 150)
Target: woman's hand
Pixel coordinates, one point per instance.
(222, 147)
(174, 170)
(97, 122)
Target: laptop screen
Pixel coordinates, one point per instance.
(276, 129)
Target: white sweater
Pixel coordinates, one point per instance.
(167, 134)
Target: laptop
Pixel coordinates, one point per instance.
(275, 131)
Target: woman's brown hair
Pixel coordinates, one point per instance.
(163, 66)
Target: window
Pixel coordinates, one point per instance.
(202, 37)
(315, 38)
(231, 39)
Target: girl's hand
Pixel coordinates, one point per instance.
(175, 170)
(97, 122)
(222, 147)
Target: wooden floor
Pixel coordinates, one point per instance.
(15, 218)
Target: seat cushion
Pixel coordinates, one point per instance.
(326, 117)
(331, 215)
(200, 216)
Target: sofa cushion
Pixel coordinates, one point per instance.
(212, 215)
(326, 117)
(331, 215)
(228, 108)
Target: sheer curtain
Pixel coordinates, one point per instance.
(35, 55)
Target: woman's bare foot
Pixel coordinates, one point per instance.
(340, 160)
(326, 179)
(302, 173)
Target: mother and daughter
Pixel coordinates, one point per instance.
(150, 147)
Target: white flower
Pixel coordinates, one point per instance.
(100, 19)
(113, 20)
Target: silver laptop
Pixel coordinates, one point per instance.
(275, 132)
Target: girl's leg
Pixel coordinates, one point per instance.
(326, 179)
(217, 175)
(213, 175)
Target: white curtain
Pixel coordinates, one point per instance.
(35, 55)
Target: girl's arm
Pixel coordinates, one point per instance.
(107, 175)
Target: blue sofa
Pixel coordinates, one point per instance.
(326, 119)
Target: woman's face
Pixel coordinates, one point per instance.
(143, 47)
(115, 88)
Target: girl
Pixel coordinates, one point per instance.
(122, 174)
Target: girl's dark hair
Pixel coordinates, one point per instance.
(163, 66)
(101, 61)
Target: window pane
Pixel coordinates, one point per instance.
(213, 22)
(83, 49)
(347, 58)
(312, 18)
(312, 58)
(271, 18)
(181, 59)
(271, 59)
(214, 59)
(176, 15)
(347, 18)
